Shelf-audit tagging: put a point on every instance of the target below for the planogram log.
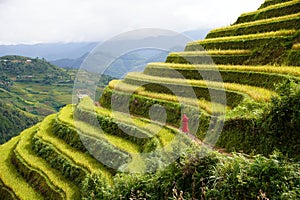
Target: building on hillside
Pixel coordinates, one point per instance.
(82, 93)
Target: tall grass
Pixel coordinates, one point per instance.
(211, 52)
(280, 33)
(79, 158)
(258, 94)
(285, 70)
(207, 106)
(9, 175)
(258, 22)
(24, 150)
(272, 7)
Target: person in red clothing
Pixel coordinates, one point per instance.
(185, 124)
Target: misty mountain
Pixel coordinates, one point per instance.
(51, 51)
(71, 55)
(197, 34)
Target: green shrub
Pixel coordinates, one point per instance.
(201, 174)
(240, 178)
(94, 187)
(265, 128)
(58, 161)
(68, 134)
(293, 58)
(281, 121)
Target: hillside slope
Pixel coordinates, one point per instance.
(16, 118)
(27, 90)
(249, 108)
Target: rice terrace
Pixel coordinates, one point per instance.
(246, 146)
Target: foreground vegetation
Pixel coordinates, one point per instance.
(206, 175)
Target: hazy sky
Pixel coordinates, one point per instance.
(41, 21)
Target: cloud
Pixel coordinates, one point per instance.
(33, 21)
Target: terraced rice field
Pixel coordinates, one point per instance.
(228, 74)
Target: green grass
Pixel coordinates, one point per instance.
(285, 70)
(276, 10)
(88, 129)
(10, 176)
(268, 3)
(258, 22)
(231, 74)
(209, 56)
(79, 158)
(207, 106)
(256, 93)
(164, 134)
(241, 38)
(272, 7)
(211, 52)
(26, 102)
(23, 149)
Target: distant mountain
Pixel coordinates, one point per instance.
(197, 34)
(135, 61)
(69, 55)
(51, 51)
(75, 63)
(70, 63)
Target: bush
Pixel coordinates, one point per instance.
(281, 122)
(58, 161)
(68, 134)
(261, 178)
(94, 187)
(293, 58)
(202, 174)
